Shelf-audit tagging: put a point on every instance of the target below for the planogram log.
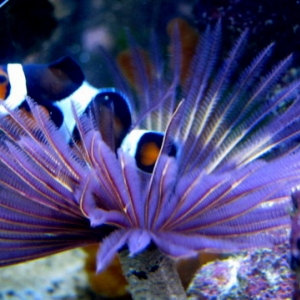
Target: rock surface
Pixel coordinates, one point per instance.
(59, 277)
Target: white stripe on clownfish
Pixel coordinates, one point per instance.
(81, 98)
(130, 143)
(18, 89)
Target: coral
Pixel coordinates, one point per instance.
(256, 274)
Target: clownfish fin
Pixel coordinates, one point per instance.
(53, 82)
(55, 114)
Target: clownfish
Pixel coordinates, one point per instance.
(57, 85)
(52, 86)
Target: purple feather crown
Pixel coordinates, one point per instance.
(226, 188)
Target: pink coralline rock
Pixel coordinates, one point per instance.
(257, 275)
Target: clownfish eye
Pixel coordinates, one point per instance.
(145, 147)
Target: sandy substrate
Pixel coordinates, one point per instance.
(60, 276)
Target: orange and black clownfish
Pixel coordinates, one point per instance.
(53, 86)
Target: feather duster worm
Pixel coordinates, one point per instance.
(225, 187)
